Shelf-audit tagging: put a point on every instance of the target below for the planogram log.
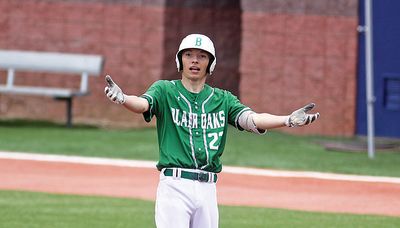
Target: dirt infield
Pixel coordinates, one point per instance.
(309, 194)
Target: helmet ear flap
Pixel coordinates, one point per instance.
(209, 64)
(178, 60)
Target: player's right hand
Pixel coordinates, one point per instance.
(300, 117)
(113, 92)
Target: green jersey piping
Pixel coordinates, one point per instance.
(190, 131)
(204, 130)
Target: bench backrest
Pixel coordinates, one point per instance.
(14, 60)
(51, 62)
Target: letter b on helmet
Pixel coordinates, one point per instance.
(198, 41)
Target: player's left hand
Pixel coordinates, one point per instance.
(300, 117)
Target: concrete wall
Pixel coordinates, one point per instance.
(276, 55)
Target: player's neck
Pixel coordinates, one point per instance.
(194, 86)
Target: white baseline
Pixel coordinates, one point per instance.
(226, 169)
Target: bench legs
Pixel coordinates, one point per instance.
(69, 112)
(68, 101)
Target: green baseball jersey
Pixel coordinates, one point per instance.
(191, 127)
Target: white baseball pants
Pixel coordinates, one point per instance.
(183, 203)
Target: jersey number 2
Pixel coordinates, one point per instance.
(214, 140)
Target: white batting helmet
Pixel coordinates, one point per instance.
(198, 41)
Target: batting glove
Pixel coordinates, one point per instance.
(113, 92)
(300, 117)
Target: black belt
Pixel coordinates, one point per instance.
(200, 176)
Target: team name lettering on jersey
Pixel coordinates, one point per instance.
(190, 120)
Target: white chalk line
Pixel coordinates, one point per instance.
(226, 169)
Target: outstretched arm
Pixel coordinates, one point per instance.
(266, 121)
(296, 119)
(260, 122)
(134, 103)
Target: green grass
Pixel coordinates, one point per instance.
(274, 150)
(49, 138)
(23, 209)
(284, 151)
(41, 210)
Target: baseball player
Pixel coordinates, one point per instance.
(192, 124)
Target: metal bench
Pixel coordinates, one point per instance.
(50, 62)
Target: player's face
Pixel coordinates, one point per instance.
(195, 62)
